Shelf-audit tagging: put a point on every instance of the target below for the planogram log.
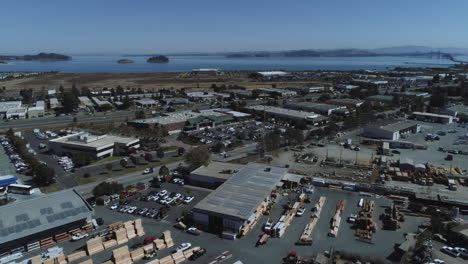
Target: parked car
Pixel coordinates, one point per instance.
(188, 199)
(193, 231)
(300, 212)
(114, 206)
(183, 247)
(79, 236)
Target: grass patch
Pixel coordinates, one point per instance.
(113, 158)
(169, 148)
(114, 174)
(51, 188)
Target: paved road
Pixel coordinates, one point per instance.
(237, 153)
(86, 190)
(47, 121)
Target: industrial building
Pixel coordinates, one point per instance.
(145, 103)
(5, 106)
(37, 111)
(307, 90)
(16, 113)
(23, 224)
(97, 146)
(277, 92)
(177, 121)
(323, 109)
(287, 114)
(238, 200)
(214, 174)
(430, 117)
(348, 102)
(84, 101)
(380, 98)
(391, 131)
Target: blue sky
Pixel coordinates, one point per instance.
(157, 26)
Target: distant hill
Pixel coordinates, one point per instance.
(125, 61)
(39, 57)
(158, 59)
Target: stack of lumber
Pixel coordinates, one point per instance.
(76, 255)
(148, 248)
(137, 254)
(249, 225)
(47, 243)
(154, 261)
(49, 261)
(178, 257)
(36, 260)
(87, 228)
(159, 244)
(306, 237)
(138, 227)
(365, 225)
(74, 231)
(89, 261)
(109, 243)
(166, 260)
(108, 262)
(189, 252)
(60, 259)
(285, 220)
(130, 229)
(121, 236)
(115, 226)
(94, 246)
(121, 255)
(336, 219)
(62, 237)
(168, 239)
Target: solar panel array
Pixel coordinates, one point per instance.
(22, 217)
(66, 205)
(47, 210)
(19, 227)
(62, 215)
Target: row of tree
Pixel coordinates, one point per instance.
(42, 174)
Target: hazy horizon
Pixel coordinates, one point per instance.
(167, 27)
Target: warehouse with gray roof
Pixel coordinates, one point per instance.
(237, 200)
(24, 223)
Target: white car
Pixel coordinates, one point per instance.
(268, 226)
(114, 206)
(188, 199)
(193, 231)
(183, 247)
(147, 171)
(300, 212)
(162, 193)
(79, 236)
(131, 210)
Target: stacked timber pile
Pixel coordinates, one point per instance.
(168, 239)
(137, 254)
(364, 224)
(62, 237)
(47, 243)
(306, 237)
(392, 218)
(60, 259)
(138, 227)
(89, 261)
(121, 255)
(130, 229)
(94, 246)
(285, 220)
(336, 219)
(76, 255)
(253, 219)
(121, 236)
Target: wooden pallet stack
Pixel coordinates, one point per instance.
(109, 243)
(138, 227)
(62, 237)
(47, 243)
(74, 231)
(168, 239)
(159, 244)
(130, 229)
(87, 228)
(94, 246)
(137, 254)
(178, 257)
(76, 255)
(121, 235)
(365, 225)
(306, 237)
(121, 255)
(60, 259)
(336, 219)
(31, 246)
(166, 260)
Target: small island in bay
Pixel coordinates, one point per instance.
(158, 59)
(125, 61)
(39, 57)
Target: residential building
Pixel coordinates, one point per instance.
(97, 146)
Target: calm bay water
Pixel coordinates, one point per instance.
(93, 64)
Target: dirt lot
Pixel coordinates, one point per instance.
(149, 81)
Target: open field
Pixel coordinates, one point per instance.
(148, 81)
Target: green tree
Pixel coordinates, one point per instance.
(107, 188)
(164, 171)
(160, 153)
(70, 102)
(180, 151)
(198, 156)
(43, 175)
(140, 114)
(106, 107)
(81, 160)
